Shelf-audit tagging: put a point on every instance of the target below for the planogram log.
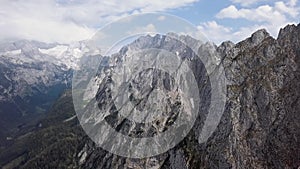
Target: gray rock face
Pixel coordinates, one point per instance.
(262, 104)
(260, 126)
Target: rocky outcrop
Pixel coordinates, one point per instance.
(262, 101)
(259, 128)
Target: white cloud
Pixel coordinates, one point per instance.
(215, 32)
(229, 12)
(66, 20)
(43, 30)
(150, 28)
(161, 18)
(264, 13)
(287, 9)
(218, 33)
(293, 2)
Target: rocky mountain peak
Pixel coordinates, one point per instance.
(290, 37)
(289, 29)
(225, 47)
(256, 39)
(258, 36)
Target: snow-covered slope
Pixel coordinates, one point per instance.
(67, 55)
(34, 63)
(33, 75)
(24, 51)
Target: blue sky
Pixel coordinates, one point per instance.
(66, 21)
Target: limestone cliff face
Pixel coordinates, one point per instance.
(259, 127)
(263, 104)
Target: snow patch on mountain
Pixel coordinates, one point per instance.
(55, 51)
(13, 52)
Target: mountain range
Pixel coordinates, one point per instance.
(259, 127)
(33, 75)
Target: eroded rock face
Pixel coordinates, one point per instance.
(260, 126)
(261, 109)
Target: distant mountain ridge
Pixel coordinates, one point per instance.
(33, 75)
